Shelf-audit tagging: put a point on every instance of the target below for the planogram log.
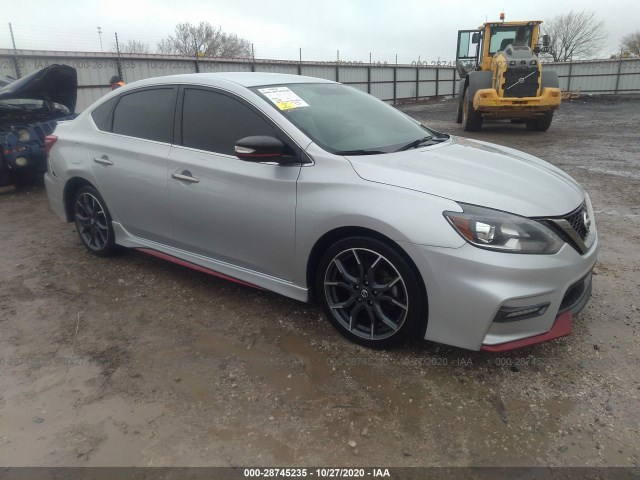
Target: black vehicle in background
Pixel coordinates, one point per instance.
(29, 110)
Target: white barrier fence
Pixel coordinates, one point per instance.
(391, 83)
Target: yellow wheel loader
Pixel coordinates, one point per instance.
(502, 77)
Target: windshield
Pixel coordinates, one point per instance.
(503, 36)
(343, 120)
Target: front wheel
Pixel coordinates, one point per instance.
(471, 120)
(93, 222)
(370, 293)
(540, 124)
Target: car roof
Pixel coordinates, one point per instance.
(245, 79)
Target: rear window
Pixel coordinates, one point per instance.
(102, 115)
(146, 114)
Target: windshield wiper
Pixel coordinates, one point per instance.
(417, 143)
(360, 152)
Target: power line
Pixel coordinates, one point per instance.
(52, 38)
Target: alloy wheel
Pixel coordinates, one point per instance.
(366, 293)
(91, 221)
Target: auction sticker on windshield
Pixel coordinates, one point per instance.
(283, 98)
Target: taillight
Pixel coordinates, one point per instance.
(49, 141)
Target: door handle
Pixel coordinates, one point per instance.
(103, 160)
(185, 176)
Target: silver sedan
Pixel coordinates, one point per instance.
(320, 192)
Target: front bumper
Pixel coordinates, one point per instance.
(574, 300)
(467, 287)
(486, 100)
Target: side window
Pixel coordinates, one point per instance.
(102, 115)
(214, 122)
(146, 114)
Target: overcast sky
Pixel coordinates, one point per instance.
(410, 28)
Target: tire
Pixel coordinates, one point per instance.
(370, 293)
(459, 112)
(540, 124)
(93, 222)
(471, 120)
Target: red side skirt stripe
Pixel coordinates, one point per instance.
(193, 266)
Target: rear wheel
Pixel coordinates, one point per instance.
(370, 293)
(471, 120)
(93, 222)
(540, 124)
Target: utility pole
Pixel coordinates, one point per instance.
(197, 50)
(100, 35)
(118, 58)
(253, 59)
(16, 63)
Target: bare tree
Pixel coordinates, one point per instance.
(631, 44)
(132, 46)
(204, 40)
(575, 35)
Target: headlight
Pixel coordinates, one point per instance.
(24, 135)
(591, 223)
(496, 230)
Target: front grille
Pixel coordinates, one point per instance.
(572, 221)
(49, 127)
(576, 219)
(40, 132)
(521, 82)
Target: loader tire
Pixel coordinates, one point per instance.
(459, 110)
(471, 120)
(540, 124)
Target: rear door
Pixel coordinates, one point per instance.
(129, 160)
(224, 208)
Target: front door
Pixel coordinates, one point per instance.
(238, 212)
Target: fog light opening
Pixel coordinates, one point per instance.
(513, 314)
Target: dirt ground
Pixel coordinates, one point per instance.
(135, 361)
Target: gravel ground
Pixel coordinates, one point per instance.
(134, 361)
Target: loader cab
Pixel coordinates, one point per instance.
(476, 48)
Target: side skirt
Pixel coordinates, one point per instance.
(211, 266)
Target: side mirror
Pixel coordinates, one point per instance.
(475, 38)
(546, 40)
(259, 149)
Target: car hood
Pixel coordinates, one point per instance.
(57, 83)
(478, 173)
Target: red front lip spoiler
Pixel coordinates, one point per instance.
(561, 327)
